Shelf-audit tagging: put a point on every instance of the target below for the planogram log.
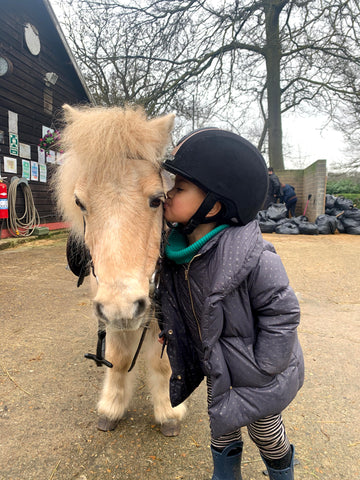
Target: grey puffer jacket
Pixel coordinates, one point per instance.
(231, 315)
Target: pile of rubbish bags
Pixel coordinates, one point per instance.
(340, 215)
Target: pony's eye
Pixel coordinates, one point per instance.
(155, 202)
(79, 204)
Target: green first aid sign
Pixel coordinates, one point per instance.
(14, 144)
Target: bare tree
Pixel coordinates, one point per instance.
(213, 58)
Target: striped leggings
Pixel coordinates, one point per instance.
(267, 433)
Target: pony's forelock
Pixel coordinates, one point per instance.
(107, 137)
(99, 143)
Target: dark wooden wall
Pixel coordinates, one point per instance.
(24, 90)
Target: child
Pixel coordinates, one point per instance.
(228, 311)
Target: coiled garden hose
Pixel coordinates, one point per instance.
(25, 225)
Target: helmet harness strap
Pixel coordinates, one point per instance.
(200, 214)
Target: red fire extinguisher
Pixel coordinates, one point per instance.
(4, 207)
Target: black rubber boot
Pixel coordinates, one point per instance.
(284, 474)
(227, 464)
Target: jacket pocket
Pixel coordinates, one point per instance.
(240, 361)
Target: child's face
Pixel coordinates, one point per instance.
(182, 201)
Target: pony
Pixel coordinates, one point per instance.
(110, 189)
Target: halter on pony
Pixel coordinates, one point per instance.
(80, 263)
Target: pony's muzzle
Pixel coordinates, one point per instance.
(123, 319)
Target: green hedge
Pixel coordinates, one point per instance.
(335, 187)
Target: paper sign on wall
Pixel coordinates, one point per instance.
(50, 156)
(46, 130)
(59, 158)
(25, 151)
(10, 165)
(13, 122)
(34, 171)
(14, 144)
(41, 155)
(43, 175)
(26, 169)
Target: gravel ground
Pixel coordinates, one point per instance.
(49, 391)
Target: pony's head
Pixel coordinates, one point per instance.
(110, 189)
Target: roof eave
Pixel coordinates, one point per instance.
(68, 50)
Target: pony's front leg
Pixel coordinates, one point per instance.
(159, 372)
(118, 385)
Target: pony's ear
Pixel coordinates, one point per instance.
(70, 113)
(163, 126)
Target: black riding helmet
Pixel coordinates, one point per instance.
(228, 168)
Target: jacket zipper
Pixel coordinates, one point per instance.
(191, 298)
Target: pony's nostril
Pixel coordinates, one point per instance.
(139, 307)
(99, 309)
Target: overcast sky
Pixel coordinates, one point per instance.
(304, 137)
(310, 143)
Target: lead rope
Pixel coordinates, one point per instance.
(99, 357)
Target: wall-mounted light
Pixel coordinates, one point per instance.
(50, 78)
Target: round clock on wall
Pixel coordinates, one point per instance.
(32, 39)
(5, 66)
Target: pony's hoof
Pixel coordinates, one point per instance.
(171, 428)
(105, 424)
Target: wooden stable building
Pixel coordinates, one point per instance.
(38, 74)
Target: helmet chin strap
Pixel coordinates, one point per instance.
(200, 214)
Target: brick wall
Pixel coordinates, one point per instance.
(311, 181)
(315, 185)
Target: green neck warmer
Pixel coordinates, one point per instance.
(178, 250)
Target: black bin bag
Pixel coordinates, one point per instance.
(287, 228)
(308, 228)
(326, 224)
(276, 211)
(342, 203)
(267, 226)
(351, 224)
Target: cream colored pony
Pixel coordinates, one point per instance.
(110, 189)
